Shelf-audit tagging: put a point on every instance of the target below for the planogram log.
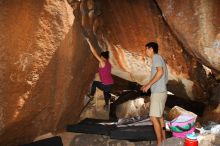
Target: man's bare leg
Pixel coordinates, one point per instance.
(157, 129)
(162, 124)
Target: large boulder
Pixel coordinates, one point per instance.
(127, 27)
(43, 56)
(46, 66)
(197, 26)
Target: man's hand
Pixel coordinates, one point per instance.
(145, 87)
(146, 105)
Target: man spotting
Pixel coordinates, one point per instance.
(157, 84)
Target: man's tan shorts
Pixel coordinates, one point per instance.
(157, 104)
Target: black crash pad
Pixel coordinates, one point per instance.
(91, 126)
(134, 133)
(53, 141)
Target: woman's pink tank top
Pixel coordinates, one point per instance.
(105, 74)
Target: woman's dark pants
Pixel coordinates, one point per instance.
(105, 88)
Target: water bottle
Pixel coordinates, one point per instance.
(191, 140)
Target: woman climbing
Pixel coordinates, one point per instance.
(104, 71)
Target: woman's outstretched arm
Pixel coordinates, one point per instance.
(94, 51)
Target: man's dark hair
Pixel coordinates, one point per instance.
(152, 45)
(105, 54)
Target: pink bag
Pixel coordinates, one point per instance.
(182, 125)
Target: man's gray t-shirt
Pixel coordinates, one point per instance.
(160, 85)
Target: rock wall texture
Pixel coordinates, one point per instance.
(197, 26)
(42, 59)
(128, 25)
(46, 66)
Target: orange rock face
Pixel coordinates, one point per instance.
(197, 26)
(43, 57)
(46, 66)
(128, 26)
